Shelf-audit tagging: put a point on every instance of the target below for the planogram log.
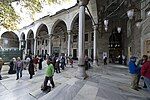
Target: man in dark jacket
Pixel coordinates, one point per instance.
(134, 70)
(145, 72)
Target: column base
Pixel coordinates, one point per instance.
(95, 63)
(81, 73)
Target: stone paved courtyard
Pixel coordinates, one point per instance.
(111, 82)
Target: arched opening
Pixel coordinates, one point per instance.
(59, 38)
(30, 42)
(42, 39)
(115, 47)
(9, 40)
(9, 46)
(88, 36)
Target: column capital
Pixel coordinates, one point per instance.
(95, 26)
(69, 32)
(83, 2)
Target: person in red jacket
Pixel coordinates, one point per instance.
(145, 72)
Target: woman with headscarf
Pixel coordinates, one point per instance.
(12, 66)
(31, 69)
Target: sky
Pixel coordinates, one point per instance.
(26, 18)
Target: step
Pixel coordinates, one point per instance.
(65, 91)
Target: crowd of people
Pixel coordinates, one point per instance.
(53, 64)
(140, 70)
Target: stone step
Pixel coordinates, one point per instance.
(87, 92)
(65, 91)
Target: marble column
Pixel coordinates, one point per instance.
(69, 43)
(50, 45)
(95, 46)
(20, 43)
(81, 73)
(35, 43)
(26, 44)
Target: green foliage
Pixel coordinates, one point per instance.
(8, 17)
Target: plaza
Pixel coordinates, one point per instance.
(111, 82)
(97, 29)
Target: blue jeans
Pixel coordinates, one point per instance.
(147, 82)
(19, 70)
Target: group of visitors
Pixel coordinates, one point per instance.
(138, 71)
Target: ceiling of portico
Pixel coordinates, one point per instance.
(116, 10)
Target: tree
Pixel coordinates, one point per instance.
(8, 17)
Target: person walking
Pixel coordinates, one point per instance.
(49, 73)
(12, 66)
(134, 73)
(40, 63)
(1, 64)
(57, 65)
(19, 67)
(86, 62)
(145, 72)
(105, 59)
(139, 65)
(35, 62)
(31, 69)
(62, 61)
(71, 62)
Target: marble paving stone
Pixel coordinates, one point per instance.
(87, 92)
(62, 80)
(53, 94)
(26, 97)
(37, 94)
(109, 95)
(92, 83)
(8, 96)
(72, 81)
(2, 88)
(100, 98)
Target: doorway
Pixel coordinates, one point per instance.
(74, 53)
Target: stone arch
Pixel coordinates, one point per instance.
(42, 38)
(88, 35)
(59, 31)
(56, 23)
(30, 34)
(22, 37)
(30, 42)
(10, 40)
(75, 17)
(41, 26)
